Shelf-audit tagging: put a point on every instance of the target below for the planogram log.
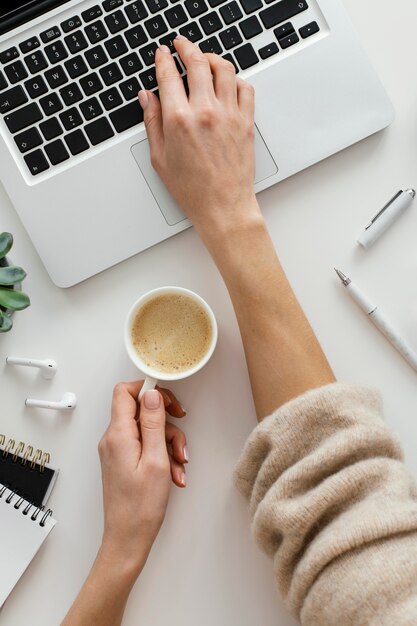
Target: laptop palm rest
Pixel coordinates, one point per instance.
(265, 167)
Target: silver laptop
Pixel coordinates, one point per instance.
(74, 156)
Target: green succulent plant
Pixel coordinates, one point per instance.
(11, 299)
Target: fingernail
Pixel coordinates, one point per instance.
(165, 49)
(143, 99)
(186, 456)
(152, 399)
(180, 37)
(183, 480)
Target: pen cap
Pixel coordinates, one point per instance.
(386, 217)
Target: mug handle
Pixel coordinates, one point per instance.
(150, 383)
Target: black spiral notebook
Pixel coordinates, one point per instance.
(26, 471)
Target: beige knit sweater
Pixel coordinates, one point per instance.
(334, 506)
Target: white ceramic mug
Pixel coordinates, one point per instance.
(152, 375)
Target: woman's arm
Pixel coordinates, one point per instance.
(137, 470)
(202, 147)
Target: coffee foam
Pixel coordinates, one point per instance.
(172, 333)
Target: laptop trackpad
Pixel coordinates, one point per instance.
(265, 167)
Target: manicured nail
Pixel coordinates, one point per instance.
(143, 99)
(152, 399)
(165, 49)
(180, 37)
(186, 456)
(183, 480)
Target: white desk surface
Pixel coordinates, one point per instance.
(204, 568)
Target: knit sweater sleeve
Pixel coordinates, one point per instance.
(333, 504)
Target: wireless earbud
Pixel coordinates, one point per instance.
(48, 367)
(68, 402)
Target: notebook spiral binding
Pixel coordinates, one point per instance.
(38, 510)
(24, 453)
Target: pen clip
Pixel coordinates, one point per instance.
(378, 215)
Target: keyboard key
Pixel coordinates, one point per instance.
(51, 128)
(283, 30)
(96, 32)
(15, 72)
(192, 32)
(91, 84)
(28, 140)
(309, 29)
(9, 55)
(229, 57)
(56, 52)
(231, 37)
(96, 57)
(130, 88)
(115, 22)
(288, 41)
(29, 45)
(136, 11)
(127, 116)
(36, 162)
(156, 26)
(168, 40)
(211, 45)
(249, 6)
(36, 86)
(76, 142)
(71, 94)
(57, 152)
(156, 5)
(148, 78)
(231, 12)
(136, 36)
(76, 66)
(211, 23)
(215, 3)
(148, 53)
(282, 11)
(22, 118)
(246, 56)
(268, 51)
(56, 77)
(131, 64)
(250, 27)
(196, 7)
(50, 34)
(116, 47)
(36, 62)
(76, 42)
(109, 5)
(92, 14)
(91, 109)
(3, 81)
(176, 16)
(51, 104)
(71, 119)
(111, 99)
(69, 25)
(99, 131)
(111, 74)
(12, 98)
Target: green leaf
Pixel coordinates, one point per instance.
(11, 275)
(14, 300)
(6, 242)
(5, 322)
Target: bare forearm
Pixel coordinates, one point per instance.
(283, 355)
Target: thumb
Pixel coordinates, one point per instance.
(152, 424)
(152, 114)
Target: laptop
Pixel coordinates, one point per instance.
(74, 156)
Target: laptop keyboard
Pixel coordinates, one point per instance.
(74, 85)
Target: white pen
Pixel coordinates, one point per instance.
(386, 217)
(379, 320)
